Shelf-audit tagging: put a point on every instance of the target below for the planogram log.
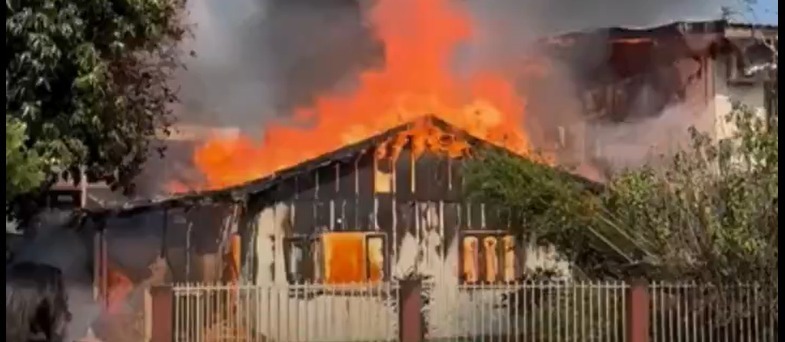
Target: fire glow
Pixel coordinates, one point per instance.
(420, 37)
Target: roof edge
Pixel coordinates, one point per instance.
(241, 192)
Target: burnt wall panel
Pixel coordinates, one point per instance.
(439, 178)
(327, 177)
(423, 177)
(306, 186)
(207, 226)
(304, 217)
(323, 210)
(347, 178)
(451, 217)
(455, 180)
(285, 190)
(349, 211)
(405, 214)
(403, 175)
(364, 213)
(474, 211)
(365, 176)
(339, 214)
(383, 176)
(496, 217)
(384, 212)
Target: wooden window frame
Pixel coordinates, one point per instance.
(385, 255)
(481, 267)
(309, 246)
(306, 273)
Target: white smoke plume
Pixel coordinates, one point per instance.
(507, 29)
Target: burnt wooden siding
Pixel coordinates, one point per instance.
(363, 193)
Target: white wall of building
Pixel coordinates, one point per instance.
(727, 91)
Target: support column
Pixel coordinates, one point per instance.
(410, 320)
(162, 314)
(638, 312)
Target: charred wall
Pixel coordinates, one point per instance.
(363, 193)
(416, 204)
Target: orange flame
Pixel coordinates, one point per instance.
(420, 37)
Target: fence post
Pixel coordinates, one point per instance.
(410, 320)
(162, 314)
(638, 311)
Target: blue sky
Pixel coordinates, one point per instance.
(763, 12)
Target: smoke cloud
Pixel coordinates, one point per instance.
(57, 245)
(257, 60)
(507, 29)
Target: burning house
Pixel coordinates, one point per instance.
(362, 213)
(367, 187)
(381, 200)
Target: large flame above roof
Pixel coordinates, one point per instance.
(420, 37)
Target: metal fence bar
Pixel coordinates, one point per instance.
(523, 311)
(714, 313)
(308, 312)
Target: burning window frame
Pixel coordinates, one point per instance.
(502, 241)
(312, 267)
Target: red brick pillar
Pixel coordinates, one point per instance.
(638, 312)
(162, 313)
(410, 320)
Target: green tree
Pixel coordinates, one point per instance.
(88, 85)
(711, 214)
(24, 168)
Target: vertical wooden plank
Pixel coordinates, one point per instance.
(405, 216)
(440, 178)
(496, 217)
(475, 216)
(322, 214)
(304, 219)
(364, 175)
(346, 211)
(284, 190)
(306, 186)
(363, 198)
(403, 175)
(347, 179)
(384, 213)
(382, 175)
(327, 176)
(455, 180)
(451, 224)
(364, 214)
(424, 168)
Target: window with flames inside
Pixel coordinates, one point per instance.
(489, 258)
(336, 258)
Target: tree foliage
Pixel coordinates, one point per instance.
(24, 168)
(710, 214)
(87, 84)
